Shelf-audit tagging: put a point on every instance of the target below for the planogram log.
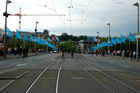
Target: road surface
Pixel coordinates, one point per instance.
(49, 73)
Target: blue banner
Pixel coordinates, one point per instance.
(123, 39)
(9, 33)
(18, 35)
(32, 38)
(49, 39)
(132, 37)
(26, 37)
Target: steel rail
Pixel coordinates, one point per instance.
(113, 78)
(93, 77)
(27, 91)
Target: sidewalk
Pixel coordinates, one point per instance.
(124, 59)
(18, 56)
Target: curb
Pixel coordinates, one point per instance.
(20, 57)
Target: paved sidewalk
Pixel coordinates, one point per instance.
(125, 59)
(17, 56)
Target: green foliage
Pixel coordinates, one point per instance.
(68, 45)
(65, 37)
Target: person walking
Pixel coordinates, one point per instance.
(72, 53)
(123, 53)
(62, 53)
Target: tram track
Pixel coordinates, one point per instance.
(85, 65)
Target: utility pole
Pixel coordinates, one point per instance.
(137, 44)
(36, 35)
(6, 15)
(109, 39)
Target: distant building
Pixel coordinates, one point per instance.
(84, 46)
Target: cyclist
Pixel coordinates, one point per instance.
(62, 53)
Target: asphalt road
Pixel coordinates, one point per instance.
(83, 74)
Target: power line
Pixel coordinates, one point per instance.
(88, 5)
(54, 6)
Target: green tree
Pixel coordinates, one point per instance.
(68, 45)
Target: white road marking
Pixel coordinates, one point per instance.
(112, 62)
(58, 76)
(21, 64)
(125, 66)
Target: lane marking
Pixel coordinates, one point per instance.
(76, 77)
(137, 91)
(18, 65)
(125, 66)
(58, 76)
(5, 86)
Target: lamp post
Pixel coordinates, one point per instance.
(109, 39)
(137, 44)
(6, 15)
(36, 35)
(98, 34)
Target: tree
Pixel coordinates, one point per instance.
(68, 45)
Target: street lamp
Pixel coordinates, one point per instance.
(98, 34)
(137, 45)
(36, 34)
(109, 39)
(6, 15)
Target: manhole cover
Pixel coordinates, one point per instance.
(77, 78)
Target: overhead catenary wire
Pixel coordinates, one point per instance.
(54, 7)
(70, 15)
(86, 7)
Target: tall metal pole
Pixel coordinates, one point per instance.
(137, 44)
(109, 39)
(6, 15)
(36, 35)
(98, 38)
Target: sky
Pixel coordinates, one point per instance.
(82, 17)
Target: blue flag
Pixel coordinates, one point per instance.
(32, 38)
(55, 38)
(111, 44)
(113, 41)
(95, 39)
(117, 40)
(26, 37)
(9, 32)
(38, 40)
(132, 37)
(123, 39)
(95, 48)
(49, 39)
(45, 42)
(18, 35)
(105, 43)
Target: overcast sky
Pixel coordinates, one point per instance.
(87, 16)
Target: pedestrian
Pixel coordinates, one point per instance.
(134, 54)
(24, 52)
(123, 53)
(62, 53)
(20, 51)
(72, 54)
(15, 49)
(92, 53)
(9, 51)
(1, 53)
